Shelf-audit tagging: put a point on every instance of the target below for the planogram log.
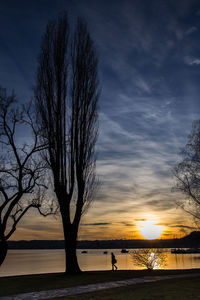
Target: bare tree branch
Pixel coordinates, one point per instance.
(149, 258)
(21, 168)
(66, 95)
(187, 173)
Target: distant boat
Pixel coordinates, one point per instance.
(185, 251)
(84, 251)
(105, 252)
(124, 251)
(177, 251)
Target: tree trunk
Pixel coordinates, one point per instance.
(71, 262)
(3, 250)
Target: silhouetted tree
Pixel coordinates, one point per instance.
(66, 96)
(187, 173)
(149, 258)
(20, 169)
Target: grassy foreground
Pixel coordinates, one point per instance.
(176, 289)
(22, 284)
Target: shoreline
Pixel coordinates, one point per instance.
(191, 270)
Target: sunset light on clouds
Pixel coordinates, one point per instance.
(149, 63)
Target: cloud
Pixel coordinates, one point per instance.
(149, 99)
(143, 85)
(192, 61)
(161, 205)
(182, 226)
(95, 224)
(191, 30)
(124, 223)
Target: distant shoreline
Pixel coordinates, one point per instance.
(190, 241)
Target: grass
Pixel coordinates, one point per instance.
(180, 289)
(23, 284)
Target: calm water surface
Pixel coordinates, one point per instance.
(20, 262)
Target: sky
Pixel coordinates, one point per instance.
(149, 70)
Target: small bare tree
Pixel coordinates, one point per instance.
(187, 174)
(21, 169)
(149, 258)
(66, 95)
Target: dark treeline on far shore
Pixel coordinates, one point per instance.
(191, 240)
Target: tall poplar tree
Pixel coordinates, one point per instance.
(66, 94)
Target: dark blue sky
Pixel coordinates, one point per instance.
(149, 68)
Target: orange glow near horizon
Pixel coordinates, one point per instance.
(150, 230)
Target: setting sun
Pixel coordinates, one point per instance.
(150, 230)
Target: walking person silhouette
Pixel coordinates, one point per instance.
(113, 261)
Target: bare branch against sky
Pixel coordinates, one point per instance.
(21, 169)
(66, 96)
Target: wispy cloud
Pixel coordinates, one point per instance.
(191, 30)
(95, 224)
(192, 61)
(149, 72)
(183, 226)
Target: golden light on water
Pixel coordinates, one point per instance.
(150, 230)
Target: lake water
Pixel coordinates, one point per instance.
(20, 262)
